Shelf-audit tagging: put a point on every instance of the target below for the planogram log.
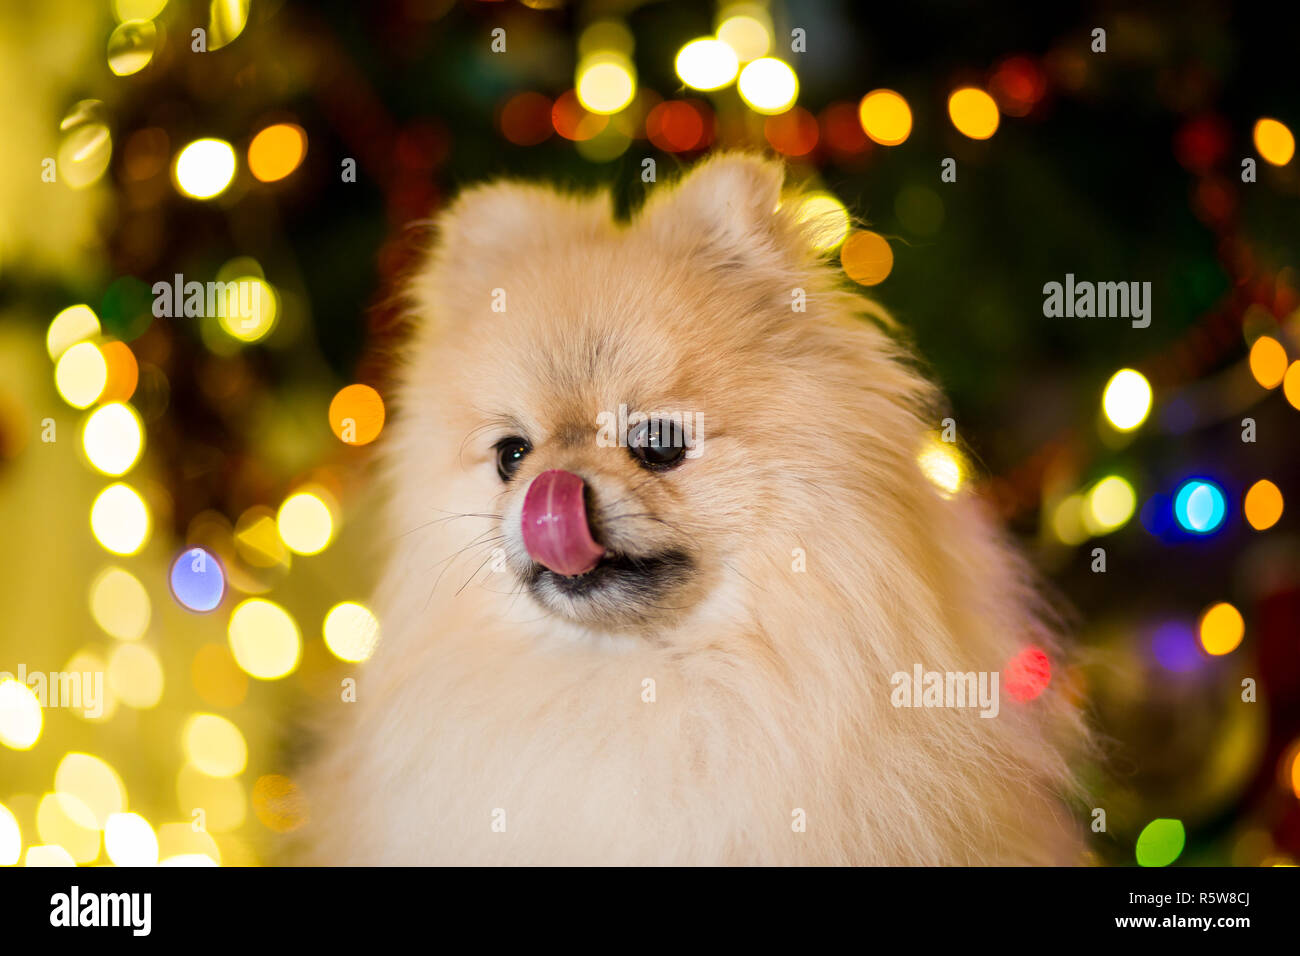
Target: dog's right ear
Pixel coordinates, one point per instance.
(500, 221)
(726, 210)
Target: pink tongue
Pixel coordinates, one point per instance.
(555, 524)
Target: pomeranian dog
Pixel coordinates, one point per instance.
(667, 584)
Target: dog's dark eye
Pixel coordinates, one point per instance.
(510, 452)
(658, 444)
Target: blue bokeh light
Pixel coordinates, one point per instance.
(197, 580)
(1199, 506)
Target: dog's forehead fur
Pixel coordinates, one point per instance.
(549, 304)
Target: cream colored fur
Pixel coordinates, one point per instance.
(771, 685)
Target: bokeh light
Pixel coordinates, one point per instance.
(825, 219)
(119, 519)
(94, 783)
(351, 631)
(1199, 506)
(973, 112)
(279, 804)
(356, 414)
(264, 639)
(1221, 629)
(113, 437)
(707, 64)
(205, 168)
(942, 465)
(214, 746)
(1027, 674)
(81, 374)
(768, 85)
(1290, 384)
(747, 33)
(120, 604)
(250, 310)
(45, 854)
(20, 715)
(277, 151)
(1126, 400)
(74, 324)
(123, 372)
(1108, 505)
(1160, 842)
(305, 523)
(606, 83)
(525, 119)
(1263, 505)
(867, 258)
(1268, 361)
(136, 675)
(885, 117)
(11, 838)
(63, 820)
(131, 46)
(197, 580)
(1274, 141)
(130, 841)
(124, 10)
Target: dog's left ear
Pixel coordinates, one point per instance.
(724, 210)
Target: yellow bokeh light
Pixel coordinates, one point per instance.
(1067, 520)
(44, 854)
(226, 20)
(940, 462)
(867, 258)
(768, 85)
(605, 36)
(81, 374)
(137, 9)
(1291, 384)
(973, 112)
(113, 437)
(605, 83)
(305, 523)
(136, 675)
(1221, 629)
(131, 46)
(277, 151)
(130, 841)
(120, 604)
(1127, 399)
(93, 783)
(264, 639)
(1263, 505)
(1274, 141)
(119, 519)
(215, 746)
(21, 718)
(885, 117)
(825, 218)
(250, 310)
(74, 324)
(747, 35)
(205, 168)
(351, 631)
(1268, 361)
(61, 818)
(11, 838)
(89, 666)
(1108, 505)
(179, 844)
(707, 64)
(220, 800)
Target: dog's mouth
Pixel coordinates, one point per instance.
(617, 579)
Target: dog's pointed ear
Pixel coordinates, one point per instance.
(501, 221)
(725, 210)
